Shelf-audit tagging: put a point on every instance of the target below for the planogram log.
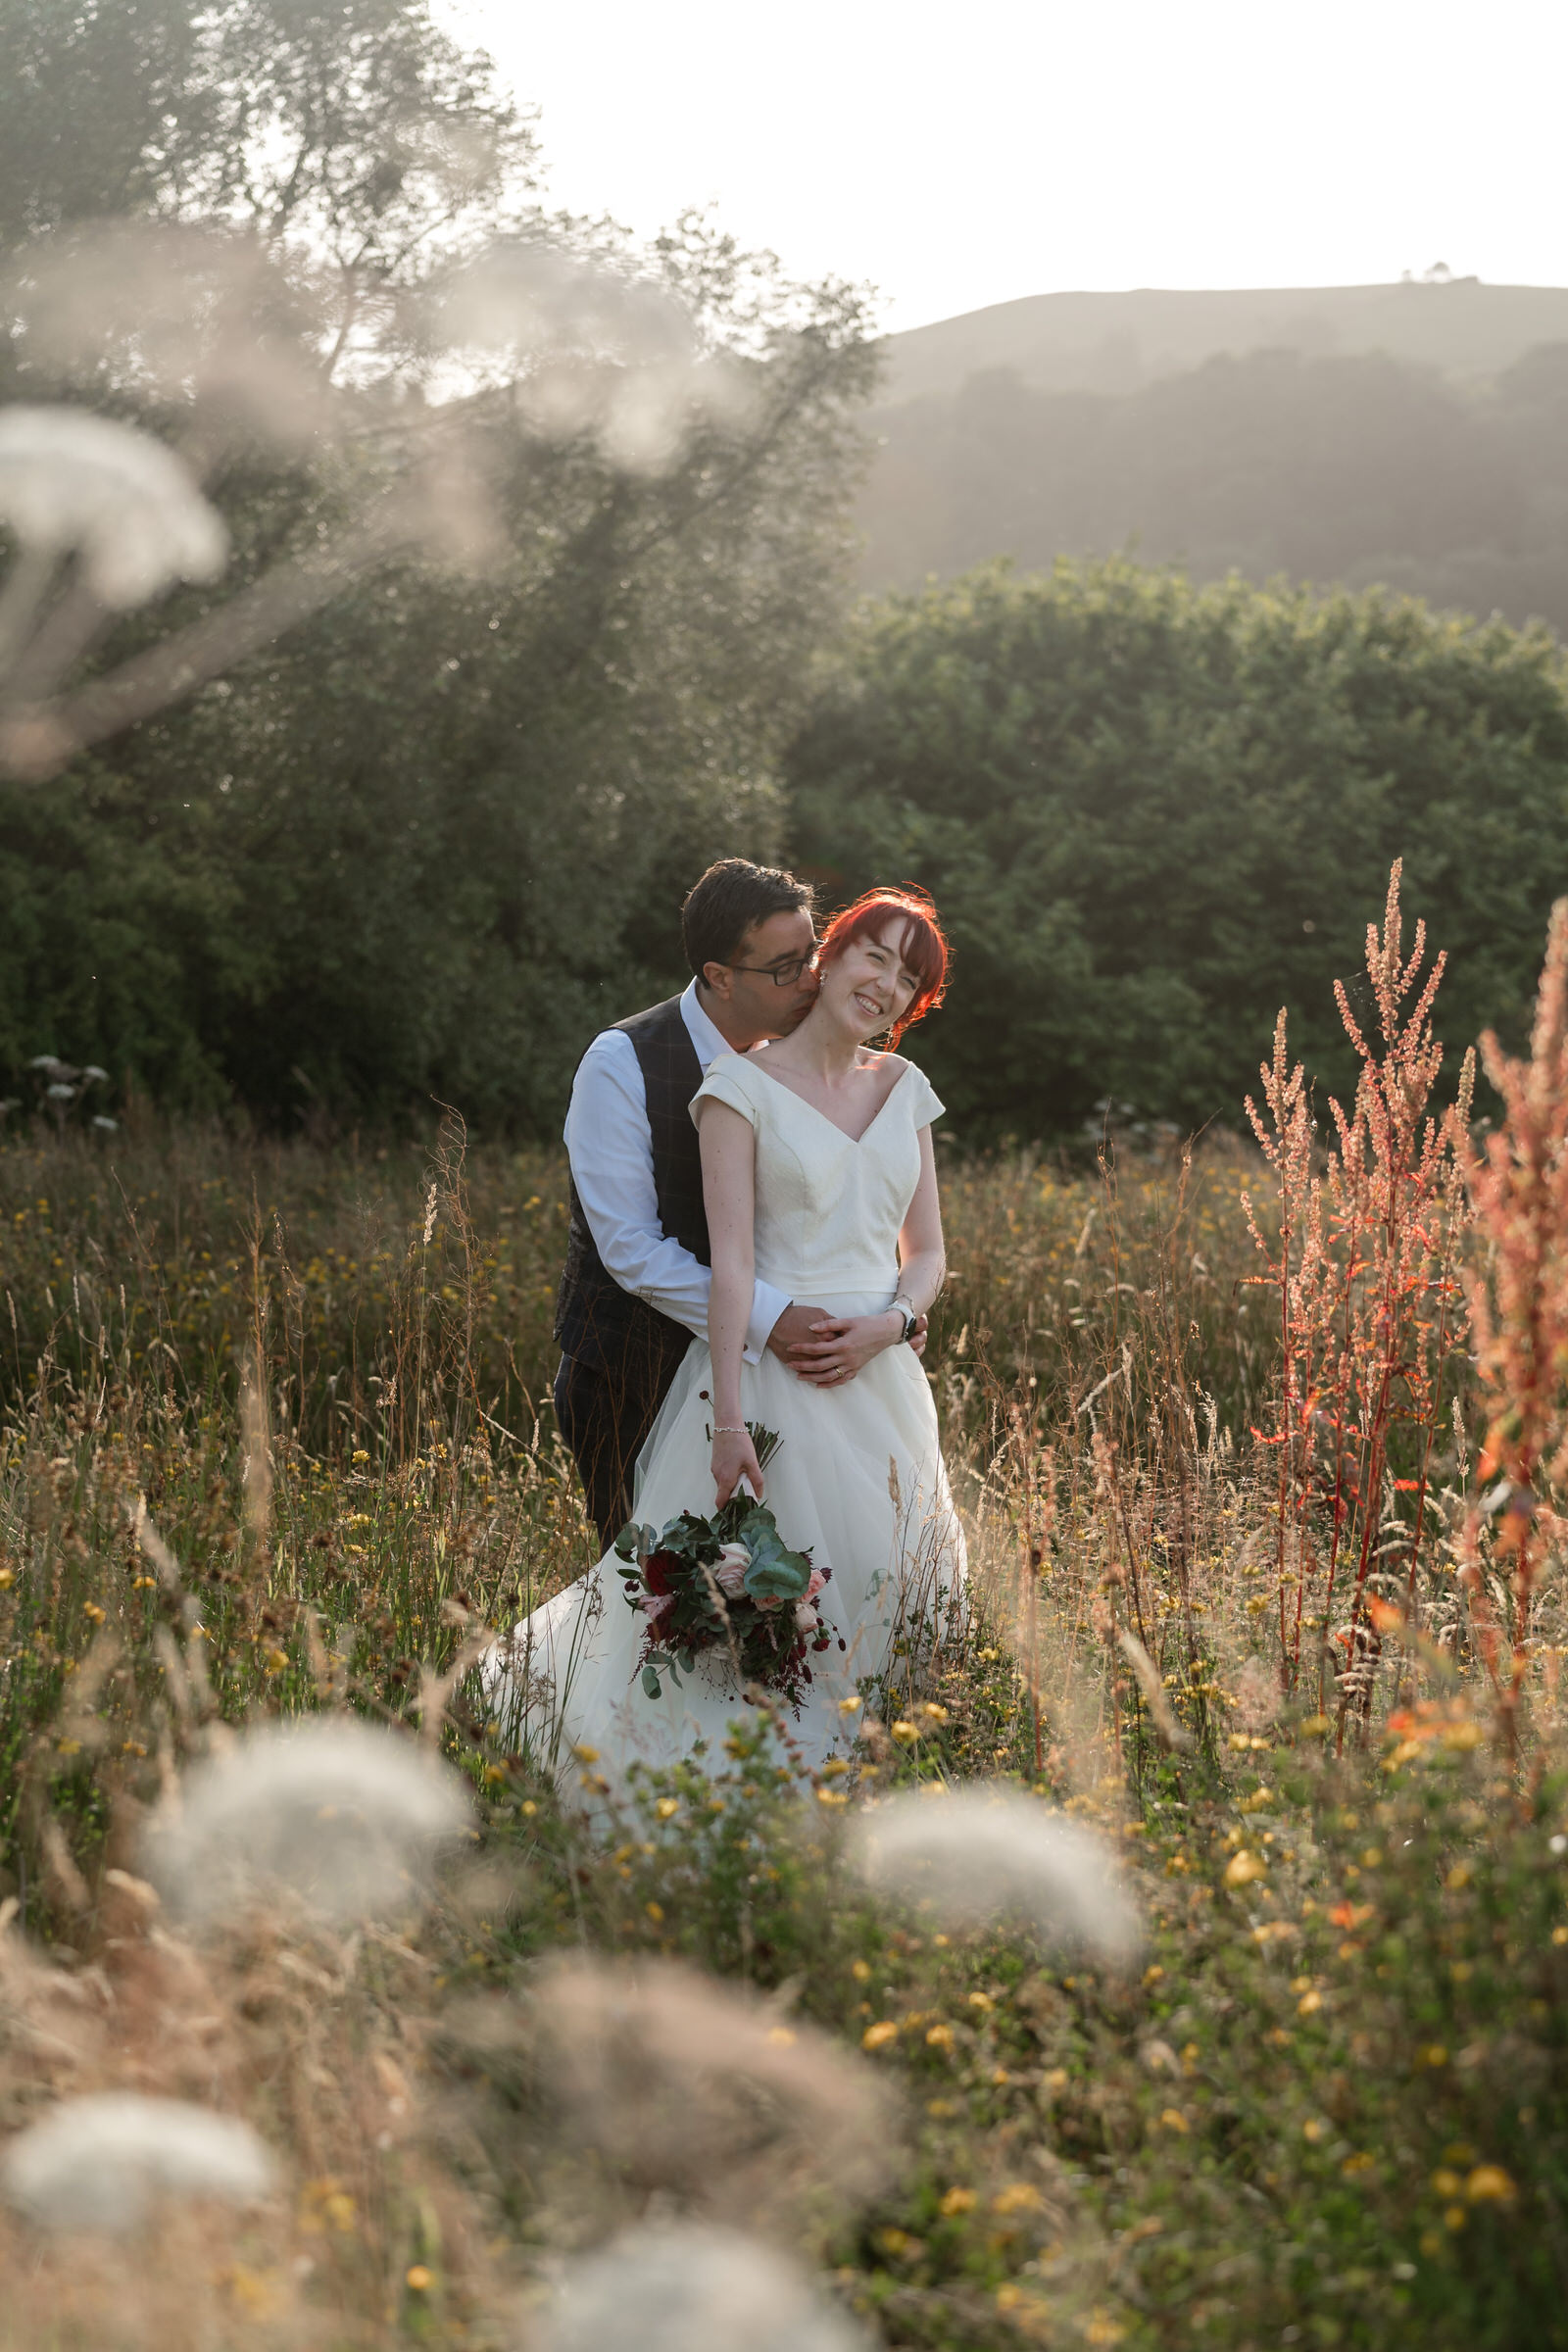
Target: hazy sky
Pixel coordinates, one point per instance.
(968, 153)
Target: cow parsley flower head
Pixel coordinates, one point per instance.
(122, 501)
(985, 1853)
(333, 1815)
(694, 2085)
(688, 2289)
(96, 2163)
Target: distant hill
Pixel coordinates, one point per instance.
(1412, 435)
(1116, 342)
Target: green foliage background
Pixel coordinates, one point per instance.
(439, 834)
(1152, 814)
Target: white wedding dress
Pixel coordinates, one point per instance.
(858, 1478)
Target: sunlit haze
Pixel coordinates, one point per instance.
(958, 156)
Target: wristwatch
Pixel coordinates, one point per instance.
(910, 1318)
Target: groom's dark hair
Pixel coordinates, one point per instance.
(730, 898)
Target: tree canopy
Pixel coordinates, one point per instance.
(1152, 814)
(425, 841)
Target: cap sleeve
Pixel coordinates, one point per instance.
(728, 1081)
(926, 1103)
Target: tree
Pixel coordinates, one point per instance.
(560, 623)
(1152, 814)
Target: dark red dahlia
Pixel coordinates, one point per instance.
(660, 1572)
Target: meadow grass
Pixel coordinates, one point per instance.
(275, 1440)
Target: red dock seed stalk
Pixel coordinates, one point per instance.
(1519, 1315)
(1371, 1311)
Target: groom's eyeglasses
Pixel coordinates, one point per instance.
(782, 975)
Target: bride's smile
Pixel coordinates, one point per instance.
(866, 988)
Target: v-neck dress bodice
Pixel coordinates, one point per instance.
(858, 1479)
(829, 1205)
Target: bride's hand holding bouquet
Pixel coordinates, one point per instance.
(734, 1459)
(727, 1584)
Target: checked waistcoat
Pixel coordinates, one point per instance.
(596, 1322)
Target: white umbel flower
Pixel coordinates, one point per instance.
(332, 1814)
(692, 2289)
(96, 2163)
(985, 1853)
(75, 484)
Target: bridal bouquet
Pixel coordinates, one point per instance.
(728, 1583)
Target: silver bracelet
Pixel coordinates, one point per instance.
(730, 1429)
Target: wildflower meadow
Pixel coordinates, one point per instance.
(1183, 1959)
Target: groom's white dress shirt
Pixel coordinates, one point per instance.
(612, 1154)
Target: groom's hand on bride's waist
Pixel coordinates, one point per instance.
(798, 1338)
(795, 1327)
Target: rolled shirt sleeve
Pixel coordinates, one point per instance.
(611, 1155)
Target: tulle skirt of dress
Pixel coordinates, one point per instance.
(858, 1480)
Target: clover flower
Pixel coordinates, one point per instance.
(692, 2289)
(96, 2163)
(991, 1853)
(126, 505)
(333, 1813)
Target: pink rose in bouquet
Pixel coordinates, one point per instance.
(730, 1570)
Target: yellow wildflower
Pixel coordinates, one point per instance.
(1019, 2196)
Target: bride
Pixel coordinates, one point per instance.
(819, 1178)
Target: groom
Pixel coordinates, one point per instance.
(636, 1280)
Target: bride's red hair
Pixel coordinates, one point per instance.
(921, 944)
